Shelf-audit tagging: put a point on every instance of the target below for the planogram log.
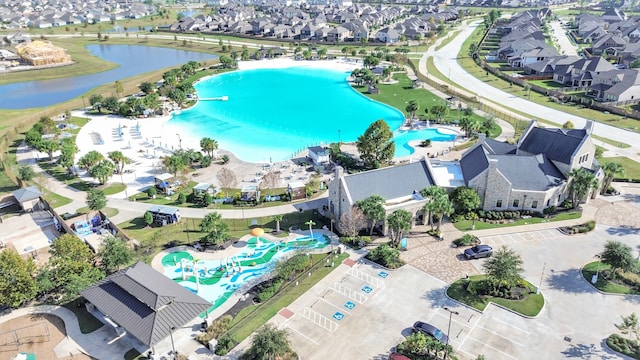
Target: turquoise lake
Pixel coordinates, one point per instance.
(272, 114)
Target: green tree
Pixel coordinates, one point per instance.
(371, 61)
(411, 108)
(438, 112)
(465, 199)
(376, 146)
(90, 159)
(111, 104)
(147, 87)
(69, 255)
(96, 200)
(25, 174)
(208, 145)
(399, 222)
(630, 325)
(568, 125)
(269, 343)
(217, 230)
(619, 256)
(17, 282)
(96, 100)
(68, 152)
(148, 218)
(373, 209)
(102, 171)
(470, 125)
(114, 253)
(582, 181)
(174, 163)
(277, 219)
(49, 146)
(438, 203)
(611, 170)
(504, 269)
(80, 281)
(119, 160)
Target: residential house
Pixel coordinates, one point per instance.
(388, 36)
(609, 44)
(337, 34)
(582, 72)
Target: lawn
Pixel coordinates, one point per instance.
(631, 168)
(610, 142)
(88, 323)
(251, 318)
(108, 212)
(398, 96)
(55, 200)
(602, 284)
(531, 306)
(466, 225)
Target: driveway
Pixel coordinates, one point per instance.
(563, 41)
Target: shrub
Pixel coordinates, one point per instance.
(550, 210)
(629, 278)
(151, 192)
(385, 256)
(225, 343)
(624, 346)
(225, 159)
(217, 328)
(182, 198)
(466, 240)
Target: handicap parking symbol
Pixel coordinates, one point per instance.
(350, 305)
(367, 289)
(338, 316)
(383, 274)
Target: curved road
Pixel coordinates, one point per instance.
(445, 60)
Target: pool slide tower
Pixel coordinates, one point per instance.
(191, 267)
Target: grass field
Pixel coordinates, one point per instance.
(531, 306)
(631, 168)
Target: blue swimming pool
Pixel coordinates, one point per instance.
(271, 114)
(403, 138)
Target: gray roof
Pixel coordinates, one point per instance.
(145, 303)
(535, 172)
(390, 183)
(473, 162)
(557, 144)
(168, 210)
(26, 194)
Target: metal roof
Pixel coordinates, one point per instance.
(145, 303)
(557, 144)
(391, 182)
(27, 193)
(168, 210)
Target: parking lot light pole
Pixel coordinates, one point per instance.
(451, 312)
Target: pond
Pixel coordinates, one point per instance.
(133, 60)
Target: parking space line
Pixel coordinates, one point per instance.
(513, 326)
(301, 334)
(341, 308)
(496, 349)
(502, 336)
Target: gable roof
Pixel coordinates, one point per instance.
(145, 303)
(473, 162)
(557, 144)
(541, 174)
(26, 194)
(390, 183)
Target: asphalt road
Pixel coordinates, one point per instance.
(445, 60)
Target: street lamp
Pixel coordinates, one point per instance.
(179, 141)
(173, 346)
(451, 312)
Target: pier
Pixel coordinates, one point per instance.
(221, 98)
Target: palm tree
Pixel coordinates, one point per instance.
(582, 181)
(25, 174)
(119, 160)
(399, 222)
(209, 146)
(611, 170)
(412, 107)
(373, 209)
(277, 219)
(438, 203)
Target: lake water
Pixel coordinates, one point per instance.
(272, 114)
(133, 60)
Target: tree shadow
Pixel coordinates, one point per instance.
(570, 281)
(631, 197)
(438, 298)
(589, 351)
(635, 299)
(623, 230)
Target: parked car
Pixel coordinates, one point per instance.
(430, 330)
(478, 251)
(396, 356)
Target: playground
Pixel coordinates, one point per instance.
(37, 337)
